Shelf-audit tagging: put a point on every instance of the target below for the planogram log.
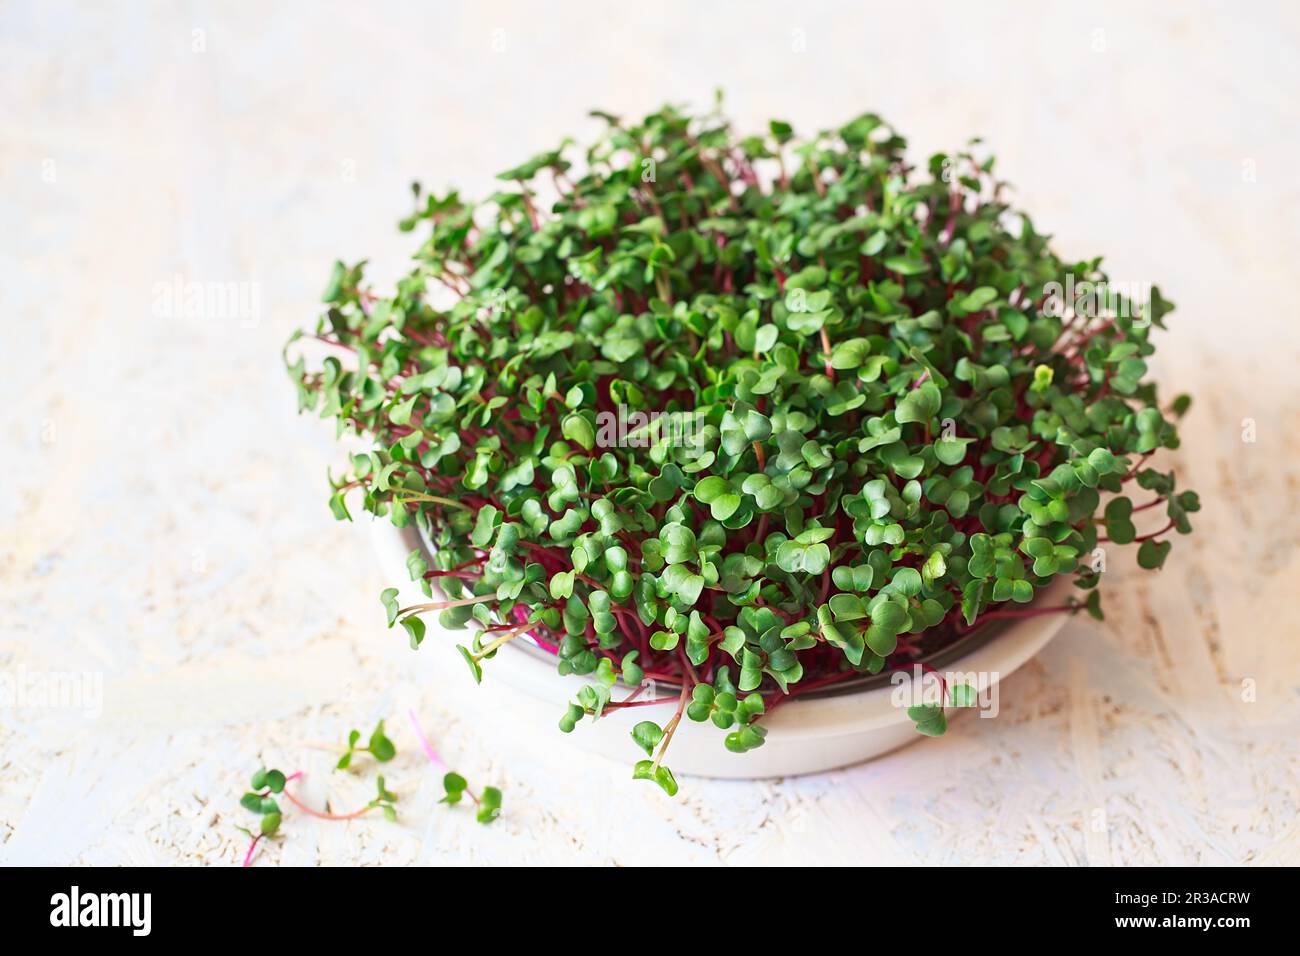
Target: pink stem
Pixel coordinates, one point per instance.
(433, 754)
(424, 743)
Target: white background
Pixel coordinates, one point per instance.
(163, 510)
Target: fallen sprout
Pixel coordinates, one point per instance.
(379, 747)
(266, 784)
(273, 781)
(455, 786)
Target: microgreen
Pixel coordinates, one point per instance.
(384, 800)
(931, 720)
(259, 798)
(455, 788)
(741, 415)
(379, 747)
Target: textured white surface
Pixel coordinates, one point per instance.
(164, 522)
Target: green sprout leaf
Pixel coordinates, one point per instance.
(489, 807)
(646, 770)
(647, 735)
(930, 719)
(454, 787)
(381, 748)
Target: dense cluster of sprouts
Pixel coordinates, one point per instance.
(750, 415)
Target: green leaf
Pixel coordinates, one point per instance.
(485, 526)
(645, 770)
(578, 429)
(454, 787)
(414, 629)
(746, 738)
(400, 414)
(647, 735)
(717, 494)
(907, 581)
(663, 640)
(381, 748)
(472, 663)
(889, 615)
(906, 267)
(1152, 554)
(963, 695)
(847, 607)
(951, 451)
(930, 719)
(1118, 526)
(561, 584)
(881, 640)
(934, 568)
(389, 599)
(489, 807)
(334, 288)
(977, 299)
(852, 353)
(919, 405)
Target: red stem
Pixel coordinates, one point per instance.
(1027, 612)
(248, 857)
(325, 816)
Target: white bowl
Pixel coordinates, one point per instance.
(808, 734)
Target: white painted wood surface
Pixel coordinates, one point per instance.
(163, 510)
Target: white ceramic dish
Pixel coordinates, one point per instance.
(806, 735)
